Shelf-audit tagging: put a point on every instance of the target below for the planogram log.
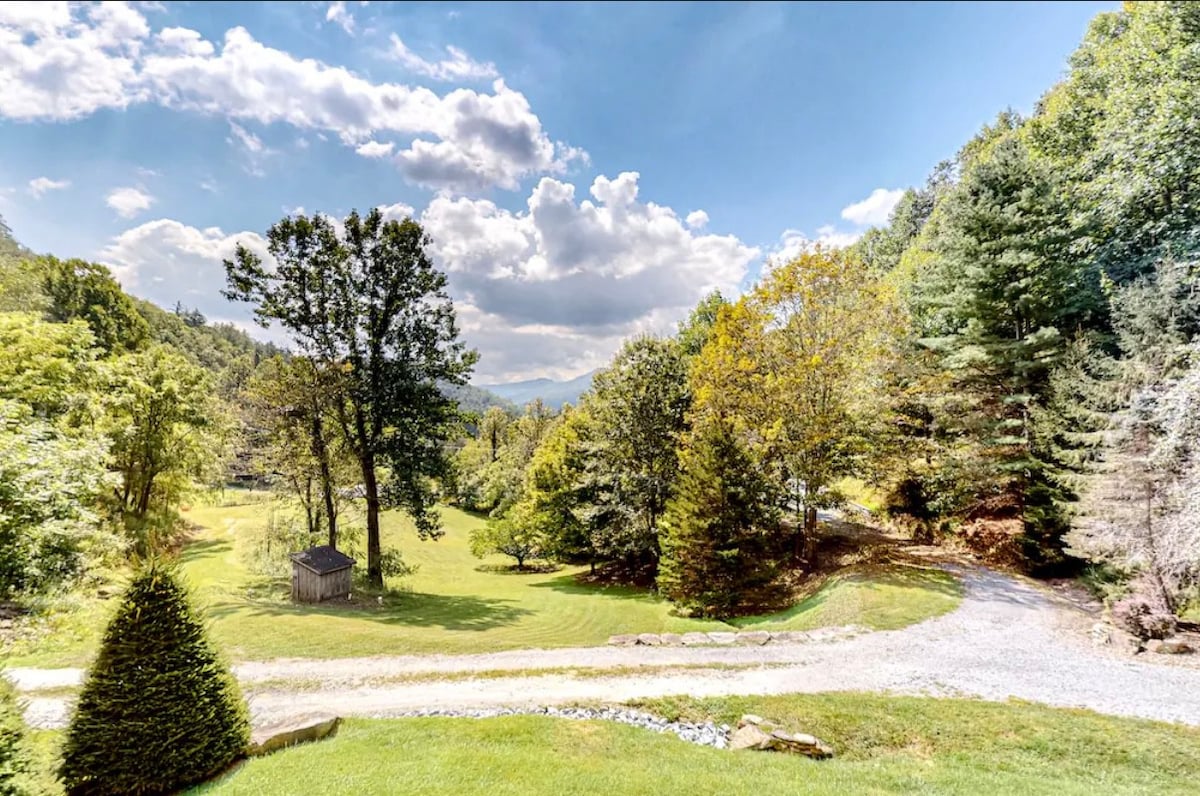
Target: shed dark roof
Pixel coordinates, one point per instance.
(323, 559)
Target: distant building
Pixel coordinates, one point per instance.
(320, 573)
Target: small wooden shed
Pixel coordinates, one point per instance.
(320, 573)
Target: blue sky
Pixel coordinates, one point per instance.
(633, 156)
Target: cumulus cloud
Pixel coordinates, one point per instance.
(166, 261)
(60, 62)
(459, 66)
(875, 210)
(396, 212)
(41, 185)
(697, 219)
(375, 149)
(577, 275)
(128, 201)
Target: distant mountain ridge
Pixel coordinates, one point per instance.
(553, 393)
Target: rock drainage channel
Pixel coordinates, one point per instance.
(699, 733)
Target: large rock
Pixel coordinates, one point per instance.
(671, 639)
(722, 638)
(302, 729)
(649, 640)
(789, 636)
(760, 735)
(623, 640)
(1169, 646)
(754, 637)
(696, 639)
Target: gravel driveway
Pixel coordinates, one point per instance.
(1009, 638)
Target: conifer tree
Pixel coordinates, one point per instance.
(719, 527)
(14, 754)
(159, 711)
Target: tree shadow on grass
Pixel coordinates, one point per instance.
(449, 612)
(574, 584)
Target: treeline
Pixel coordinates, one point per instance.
(1012, 359)
(111, 410)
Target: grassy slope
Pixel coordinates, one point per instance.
(453, 605)
(884, 745)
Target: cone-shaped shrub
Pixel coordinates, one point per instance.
(159, 711)
(14, 754)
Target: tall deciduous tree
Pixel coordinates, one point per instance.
(795, 365)
(166, 429)
(292, 405)
(639, 405)
(369, 299)
(79, 289)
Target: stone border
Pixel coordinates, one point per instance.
(745, 638)
(700, 733)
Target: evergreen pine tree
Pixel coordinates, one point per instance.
(717, 546)
(159, 711)
(999, 306)
(14, 754)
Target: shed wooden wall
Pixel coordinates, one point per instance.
(309, 587)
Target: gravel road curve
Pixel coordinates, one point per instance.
(1009, 638)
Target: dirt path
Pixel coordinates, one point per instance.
(1009, 638)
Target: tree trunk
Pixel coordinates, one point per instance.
(321, 452)
(374, 552)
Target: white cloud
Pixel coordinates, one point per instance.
(396, 212)
(254, 151)
(184, 42)
(210, 185)
(57, 64)
(66, 62)
(793, 242)
(563, 283)
(128, 201)
(338, 14)
(459, 66)
(42, 185)
(697, 219)
(166, 261)
(875, 209)
(375, 149)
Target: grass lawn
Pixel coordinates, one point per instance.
(883, 745)
(453, 604)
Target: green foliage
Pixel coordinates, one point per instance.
(368, 299)
(50, 486)
(639, 405)
(291, 406)
(719, 533)
(221, 348)
(49, 367)
(87, 291)
(997, 305)
(159, 711)
(166, 429)
(15, 755)
(512, 536)
(694, 332)
(1122, 128)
